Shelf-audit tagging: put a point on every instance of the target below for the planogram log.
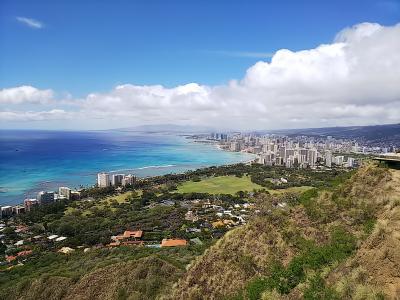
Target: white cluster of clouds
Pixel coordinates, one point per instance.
(353, 80)
(30, 22)
(25, 94)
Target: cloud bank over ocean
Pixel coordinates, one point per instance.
(354, 80)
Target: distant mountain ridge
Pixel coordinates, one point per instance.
(173, 128)
(375, 134)
(388, 134)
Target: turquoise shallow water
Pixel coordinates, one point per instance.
(31, 161)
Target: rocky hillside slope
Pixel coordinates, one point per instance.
(341, 243)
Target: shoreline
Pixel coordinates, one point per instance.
(217, 145)
(146, 171)
(153, 176)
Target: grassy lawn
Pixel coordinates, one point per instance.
(219, 185)
(121, 198)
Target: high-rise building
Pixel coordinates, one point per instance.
(128, 180)
(30, 203)
(282, 153)
(75, 195)
(269, 158)
(18, 209)
(328, 158)
(117, 179)
(64, 192)
(312, 157)
(235, 146)
(303, 156)
(289, 161)
(350, 162)
(6, 211)
(103, 179)
(45, 197)
(339, 160)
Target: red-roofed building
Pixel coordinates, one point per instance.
(135, 234)
(24, 253)
(11, 258)
(129, 235)
(173, 242)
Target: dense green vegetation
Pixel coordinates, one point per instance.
(91, 222)
(97, 226)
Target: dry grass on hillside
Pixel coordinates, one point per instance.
(50, 288)
(376, 265)
(144, 279)
(371, 194)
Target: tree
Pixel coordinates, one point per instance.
(37, 228)
(3, 248)
(8, 231)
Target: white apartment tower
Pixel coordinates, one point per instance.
(339, 160)
(65, 192)
(328, 158)
(312, 157)
(103, 179)
(350, 162)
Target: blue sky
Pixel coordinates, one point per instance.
(87, 46)
(229, 64)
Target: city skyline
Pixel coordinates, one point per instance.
(245, 68)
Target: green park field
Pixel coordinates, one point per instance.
(219, 185)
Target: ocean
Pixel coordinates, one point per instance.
(33, 160)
